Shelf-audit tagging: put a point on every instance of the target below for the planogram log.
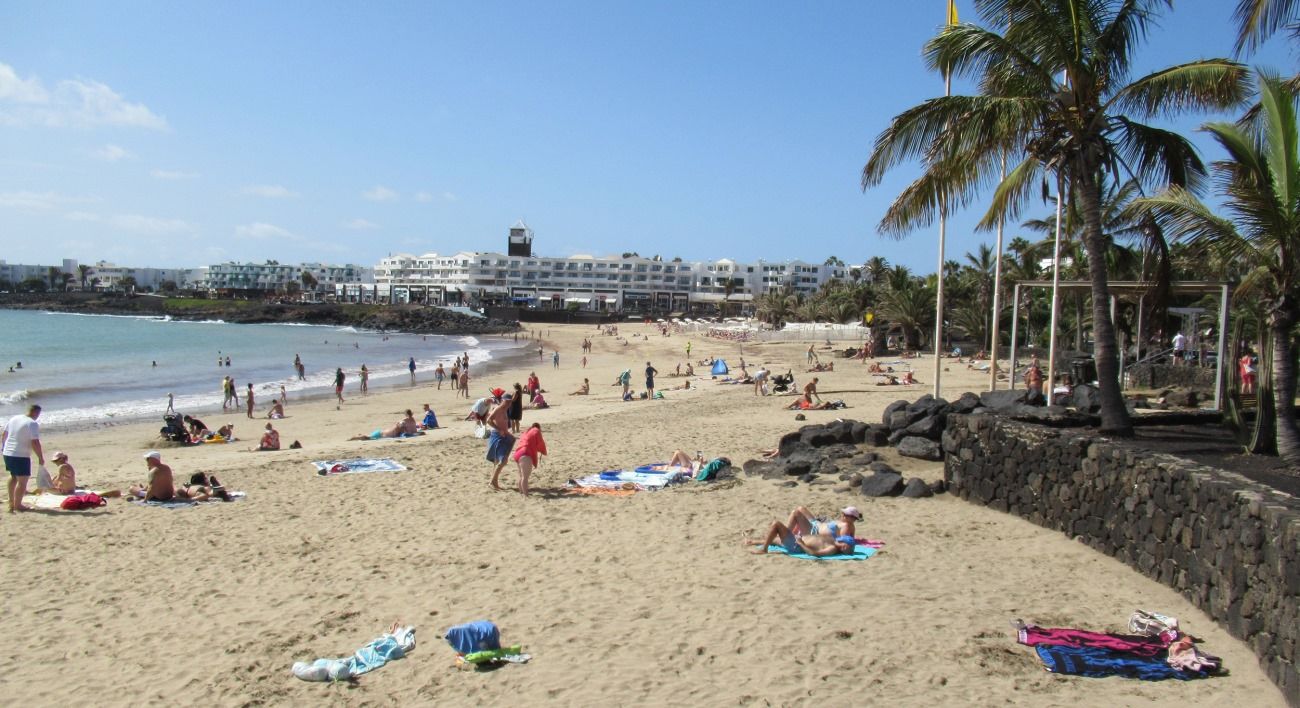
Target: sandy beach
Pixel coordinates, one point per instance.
(644, 599)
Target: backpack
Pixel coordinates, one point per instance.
(710, 471)
(77, 502)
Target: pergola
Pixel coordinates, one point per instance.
(1140, 289)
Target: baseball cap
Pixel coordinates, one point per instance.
(851, 512)
(153, 454)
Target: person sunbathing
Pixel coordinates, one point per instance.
(405, 426)
(802, 521)
(690, 370)
(270, 439)
(681, 459)
(198, 430)
(828, 366)
(277, 410)
(583, 390)
(813, 544)
(540, 402)
(908, 379)
(890, 380)
(227, 432)
(802, 405)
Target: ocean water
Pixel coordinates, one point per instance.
(89, 369)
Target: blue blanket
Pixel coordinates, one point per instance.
(1100, 663)
(615, 479)
(859, 553)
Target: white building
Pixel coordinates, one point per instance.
(276, 277)
(110, 276)
(16, 273)
(584, 282)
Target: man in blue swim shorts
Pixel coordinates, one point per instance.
(21, 438)
(499, 440)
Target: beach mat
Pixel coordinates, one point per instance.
(186, 503)
(859, 553)
(53, 502)
(358, 465)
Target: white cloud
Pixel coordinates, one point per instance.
(360, 225)
(260, 231)
(423, 197)
(173, 174)
(78, 103)
(448, 196)
(380, 193)
(14, 89)
(270, 191)
(112, 153)
(39, 200)
(135, 223)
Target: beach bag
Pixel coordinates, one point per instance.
(43, 480)
(474, 636)
(480, 431)
(1151, 624)
(83, 501)
(710, 471)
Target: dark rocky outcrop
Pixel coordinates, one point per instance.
(882, 484)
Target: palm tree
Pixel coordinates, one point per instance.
(84, 272)
(834, 261)
(876, 267)
(1259, 19)
(911, 307)
(1071, 131)
(1260, 184)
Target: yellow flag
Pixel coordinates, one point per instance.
(952, 12)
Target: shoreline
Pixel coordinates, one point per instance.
(309, 566)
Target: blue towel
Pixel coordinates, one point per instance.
(470, 637)
(859, 553)
(1095, 662)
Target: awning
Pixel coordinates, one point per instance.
(580, 300)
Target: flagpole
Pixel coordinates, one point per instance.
(950, 19)
(1056, 292)
(997, 295)
(938, 299)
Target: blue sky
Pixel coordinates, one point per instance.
(182, 134)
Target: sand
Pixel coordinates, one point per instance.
(646, 599)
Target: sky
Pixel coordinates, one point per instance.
(183, 134)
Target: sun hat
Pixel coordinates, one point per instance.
(851, 512)
(60, 455)
(153, 454)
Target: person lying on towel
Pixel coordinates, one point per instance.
(814, 544)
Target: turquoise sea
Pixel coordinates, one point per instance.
(90, 369)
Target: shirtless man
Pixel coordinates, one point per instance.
(810, 390)
(814, 544)
(499, 441)
(162, 487)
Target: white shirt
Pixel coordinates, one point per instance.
(20, 432)
(1180, 342)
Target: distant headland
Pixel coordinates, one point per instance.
(417, 319)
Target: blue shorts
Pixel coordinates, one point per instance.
(18, 466)
(499, 446)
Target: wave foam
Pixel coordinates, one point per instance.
(8, 399)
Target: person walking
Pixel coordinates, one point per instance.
(555, 360)
(365, 380)
(339, 378)
(20, 439)
(248, 400)
(410, 365)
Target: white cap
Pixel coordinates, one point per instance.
(153, 454)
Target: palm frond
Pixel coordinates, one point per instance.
(1208, 84)
(1257, 20)
(1157, 156)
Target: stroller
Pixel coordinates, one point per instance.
(174, 430)
(782, 383)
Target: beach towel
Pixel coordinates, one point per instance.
(1095, 662)
(187, 503)
(357, 465)
(859, 553)
(471, 637)
(392, 645)
(1135, 645)
(49, 501)
(617, 479)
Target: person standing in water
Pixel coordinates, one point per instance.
(410, 365)
(365, 380)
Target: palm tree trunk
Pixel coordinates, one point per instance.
(1282, 322)
(1114, 416)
